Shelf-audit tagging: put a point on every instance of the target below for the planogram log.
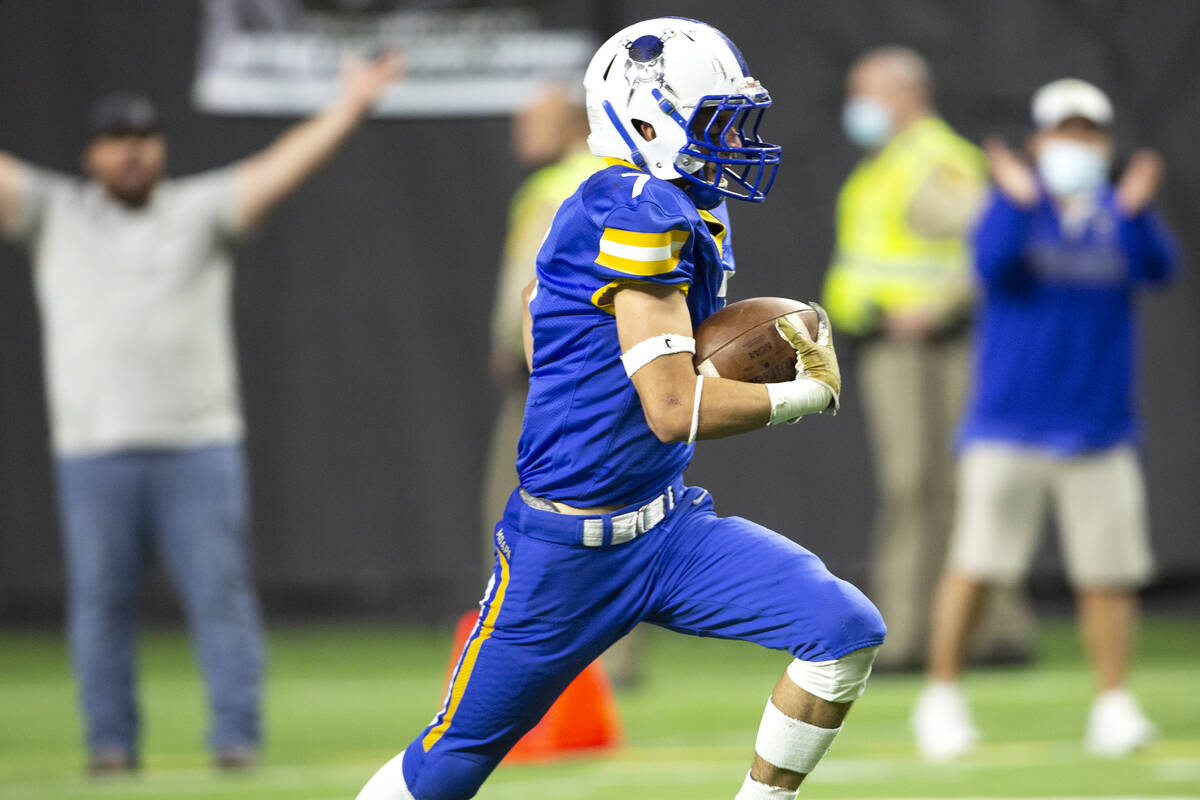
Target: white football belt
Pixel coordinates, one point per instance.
(625, 527)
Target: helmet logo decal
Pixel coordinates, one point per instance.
(646, 48)
(644, 64)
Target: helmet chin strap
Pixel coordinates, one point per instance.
(668, 108)
(635, 155)
(703, 196)
(683, 162)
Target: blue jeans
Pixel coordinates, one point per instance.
(188, 507)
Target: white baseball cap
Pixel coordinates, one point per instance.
(1070, 97)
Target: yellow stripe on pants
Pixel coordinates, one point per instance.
(468, 664)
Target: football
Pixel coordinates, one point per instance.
(740, 341)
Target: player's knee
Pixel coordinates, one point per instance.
(859, 616)
(452, 777)
(852, 628)
(864, 617)
(848, 619)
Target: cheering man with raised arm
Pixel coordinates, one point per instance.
(133, 276)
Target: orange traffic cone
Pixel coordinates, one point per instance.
(584, 717)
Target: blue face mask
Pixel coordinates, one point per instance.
(1068, 167)
(867, 122)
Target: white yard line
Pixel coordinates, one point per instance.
(649, 767)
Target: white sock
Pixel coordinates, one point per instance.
(753, 790)
(388, 783)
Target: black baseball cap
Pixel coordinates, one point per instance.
(123, 112)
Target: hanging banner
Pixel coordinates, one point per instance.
(282, 57)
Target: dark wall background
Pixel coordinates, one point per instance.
(362, 304)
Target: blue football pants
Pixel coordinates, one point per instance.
(553, 606)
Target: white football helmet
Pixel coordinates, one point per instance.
(691, 83)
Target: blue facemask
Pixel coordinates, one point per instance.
(1072, 167)
(867, 122)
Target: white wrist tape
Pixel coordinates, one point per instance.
(794, 399)
(790, 743)
(839, 681)
(753, 790)
(646, 351)
(696, 409)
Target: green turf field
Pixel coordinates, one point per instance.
(341, 702)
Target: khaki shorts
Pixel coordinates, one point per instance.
(1099, 503)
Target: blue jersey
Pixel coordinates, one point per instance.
(585, 440)
(1055, 347)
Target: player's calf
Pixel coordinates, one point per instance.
(802, 718)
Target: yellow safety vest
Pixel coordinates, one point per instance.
(549, 186)
(530, 213)
(881, 263)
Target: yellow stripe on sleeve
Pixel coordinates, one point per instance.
(469, 659)
(716, 228)
(639, 252)
(602, 298)
(634, 267)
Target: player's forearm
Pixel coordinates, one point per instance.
(527, 323)
(728, 408)
(270, 176)
(737, 406)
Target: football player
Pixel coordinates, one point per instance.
(603, 533)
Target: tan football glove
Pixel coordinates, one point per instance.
(814, 359)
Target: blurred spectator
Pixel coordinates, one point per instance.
(1052, 421)
(133, 275)
(549, 135)
(900, 281)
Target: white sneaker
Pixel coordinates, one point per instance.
(941, 721)
(1116, 725)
